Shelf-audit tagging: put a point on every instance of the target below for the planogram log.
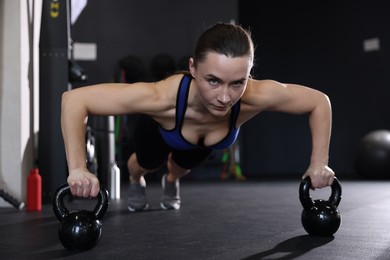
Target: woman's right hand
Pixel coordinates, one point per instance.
(83, 183)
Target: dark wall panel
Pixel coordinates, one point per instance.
(319, 46)
(144, 28)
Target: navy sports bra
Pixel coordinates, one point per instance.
(175, 139)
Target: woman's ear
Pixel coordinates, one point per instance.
(191, 66)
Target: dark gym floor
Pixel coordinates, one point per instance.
(218, 220)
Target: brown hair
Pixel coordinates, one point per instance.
(224, 38)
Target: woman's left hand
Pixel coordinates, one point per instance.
(320, 175)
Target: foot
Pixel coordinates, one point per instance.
(137, 197)
(171, 194)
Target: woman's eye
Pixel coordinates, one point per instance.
(213, 81)
(238, 84)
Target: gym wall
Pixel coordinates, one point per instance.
(328, 46)
(144, 29)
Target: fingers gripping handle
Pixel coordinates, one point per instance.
(306, 200)
(61, 211)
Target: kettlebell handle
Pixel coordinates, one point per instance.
(306, 200)
(61, 211)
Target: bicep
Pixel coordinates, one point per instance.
(292, 98)
(113, 99)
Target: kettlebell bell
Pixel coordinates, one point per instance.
(320, 217)
(79, 229)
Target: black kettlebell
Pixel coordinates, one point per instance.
(320, 217)
(79, 229)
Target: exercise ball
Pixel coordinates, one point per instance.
(372, 159)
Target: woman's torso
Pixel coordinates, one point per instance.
(191, 129)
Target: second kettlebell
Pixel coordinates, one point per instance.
(320, 217)
(79, 229)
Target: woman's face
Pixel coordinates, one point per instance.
(221, 80)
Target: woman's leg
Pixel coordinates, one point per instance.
(150, 153)
(175, 171)
(179, 164)
(136, 171)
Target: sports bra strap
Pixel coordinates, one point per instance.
(181, 100)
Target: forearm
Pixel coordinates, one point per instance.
(73, 124)
(320, 125)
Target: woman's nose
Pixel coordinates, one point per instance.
(224, 96)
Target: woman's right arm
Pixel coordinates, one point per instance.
(155, 99)
(74, 117)
(103, 99)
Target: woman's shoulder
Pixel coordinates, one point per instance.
(262, 83)
(259, 93)
(262, 87)
(257, 87)
(167, 88)
(170, 83)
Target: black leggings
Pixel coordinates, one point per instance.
(152, 151)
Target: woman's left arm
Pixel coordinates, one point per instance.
(298, 99)
(320, 119)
